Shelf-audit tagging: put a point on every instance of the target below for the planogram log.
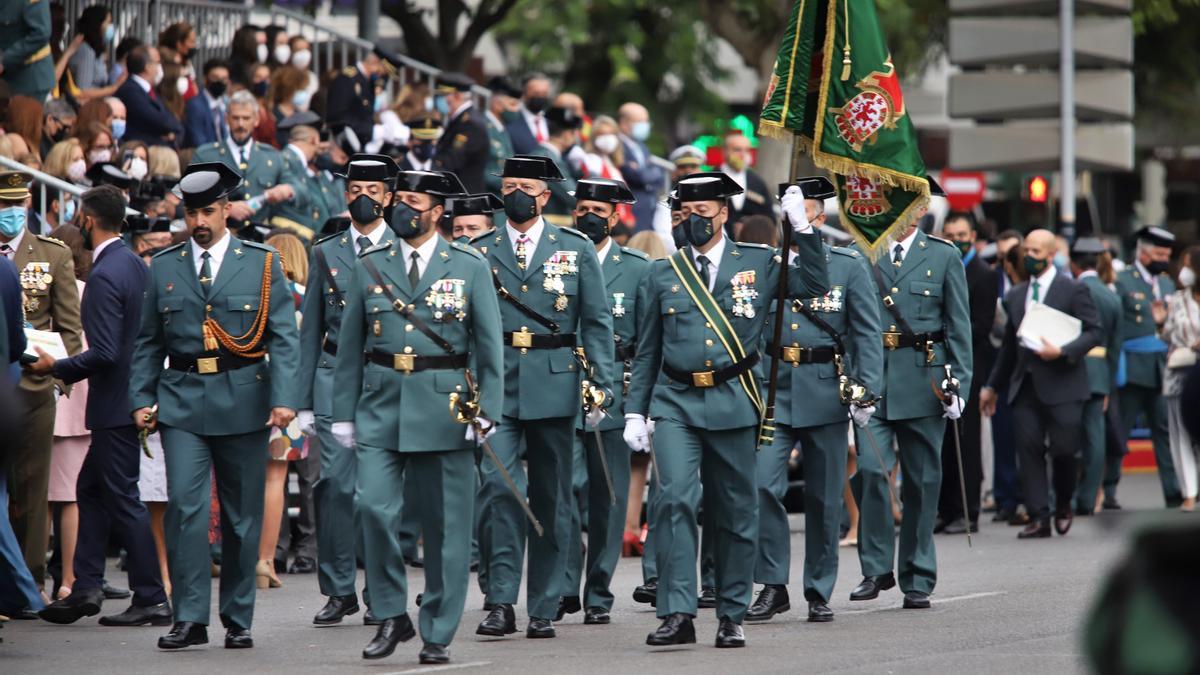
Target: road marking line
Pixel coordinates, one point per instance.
(451, 666)
(936, 601)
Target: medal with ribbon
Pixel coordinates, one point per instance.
(744, 293)
(446, 298)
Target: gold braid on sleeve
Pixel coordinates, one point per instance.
(247, 345)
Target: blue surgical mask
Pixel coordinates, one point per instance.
(109, 32)
(300, 99)
(380, 103)
(441, 105)
(1060, 261)
(118, 128)
(641, 131)
(12, 221)
(68, 211)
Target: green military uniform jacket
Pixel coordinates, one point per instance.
(25, 36)
(544, 383)
(324, 198)
(265, 169)
(1102, 361)
(623, 268)
(410, 412)
(672, 331)
(1137, 320)
(47, 275)
(499, 149)
(807, 394)
(230, 402)
(561, 206)
(930, 291)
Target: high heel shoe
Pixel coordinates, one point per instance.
(631, 545)
(264, 575)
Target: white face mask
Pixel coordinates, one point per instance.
(606, 143)
(262, 53)
(158, 76)
(138, 168)
(77, 170)
(1187, 278)
(301, 58)
(98, 156)
(283, 53)
(181, 85)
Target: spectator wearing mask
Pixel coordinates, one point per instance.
(134, 159)
(27, 66)
(173, 88)
(424, 132)
(1005, 489)
(176, 44)
(261, 88)
(351, 99)
(89, 63)
(278, 47)
(503, 109)
(639, 172)
(248, 49)
(463, 147)
(287, 94)
(97, 142)
(603, 158)
(1181, 331)
(528, 130)
(564, 128)
(302, 59)
(756, 200)
(65, 161)
(118, 72)
(204, 115)
(57, 124)
(150, 120)
(118, 118)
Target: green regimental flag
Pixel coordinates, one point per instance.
(850, 116)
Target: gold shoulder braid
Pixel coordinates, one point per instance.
(214, 334)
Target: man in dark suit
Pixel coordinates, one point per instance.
(351, 99)
(960, 229)
(204, 114)
(107, 490)
(463, 147)
(1047, 386)
(642, 175)
(756, 200)
(528, 129)
(147, 119)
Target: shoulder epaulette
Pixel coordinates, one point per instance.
(634, 252)
(469, 250)
(381, 246)
(743, 244)
(483, 236)
(940, 240)
(259, 245)
(52, 240)
(844, 251)
(577, 233)
(327, 238)
(349, 71)
(168, 249)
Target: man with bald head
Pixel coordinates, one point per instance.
(1046, 384)
(642, 176)
(119, 116)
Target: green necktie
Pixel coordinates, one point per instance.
(205, 272)
(1036, 287)
(702, 266)
(414, 274)
(363, 244)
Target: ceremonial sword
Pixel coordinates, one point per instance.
(593, 398)
(950, 388)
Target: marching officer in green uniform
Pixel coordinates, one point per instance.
(563, 127)
(331, 264)
(596, 202)
(216, 307)
(267, 184)
(923, 292)
(823, 338)
(471, 215)
(1102, 362)
(417, 311)
(1143, 288)
(325, 192)
(26, 66)
(549, 308)
(701, 314)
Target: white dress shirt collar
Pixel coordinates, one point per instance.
(536, 123)
(303, 159)
(1087, 273)
(905, 245)
(417, 164)
(376, 235)
(216, 253)
(534, 235)
(460, 110)
(15, 244)
(245, 149)
(141, 82)
(1043, 280)
(96, 251)
(424, 253)
(602, 252)
(714, 256)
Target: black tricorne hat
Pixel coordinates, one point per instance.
(502, 85)
(1088, 246)
(559, 118)
(484, 204)
(530, 166)
(107, 173)
(603, 190)
(436, 183)
(812, 187)
(453, 81)
(707, 186)
(371, 168)
(1158, 236)
(935, 190)
(205, 183)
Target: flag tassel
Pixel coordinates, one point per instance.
(846, 49)
(846, 63)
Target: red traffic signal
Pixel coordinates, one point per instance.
(1039, 189)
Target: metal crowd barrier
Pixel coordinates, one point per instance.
(41, 180)
(214, 22)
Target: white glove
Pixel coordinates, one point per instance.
(793, 207)
(637, 432)
(861, 415)
(484, 423)
(343, 433)
(953, 406)
(307, 422)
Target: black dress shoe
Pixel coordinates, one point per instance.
(114, 593)
(1019, 518)
(771, 600)
(336, 608)
(959, 526)
(420, 598)
(819, 612)
(434, 653)
(488, 606)
(499, 622)
(595, 616)
(238, 638)
(152, 615)
(870, 587)
(474, 566)
(1035, 530)
(1063, 519)
(184, 634)
(916, 600)
(1111, 504)
(303, 565)
(568, 605)
(707, 599)
(416, 563)
(939, 526)
(73, 607)
(25, 614)
(540, 628)
(729, 634)
(647, 593)
(391, 632)
(676, 629)
(369, 619)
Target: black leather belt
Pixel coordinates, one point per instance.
(207, 365)
(802, 354)
(412, 363)
(917, 341)
(329, 348)
(625, 352)
(527, 340)
(711, 378)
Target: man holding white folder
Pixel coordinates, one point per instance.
(1047, 385)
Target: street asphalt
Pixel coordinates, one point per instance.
(1001, 606)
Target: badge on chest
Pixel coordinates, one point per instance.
(560, 264)
(744, 293)
(447, 298)
(618, 305)
(830, 302)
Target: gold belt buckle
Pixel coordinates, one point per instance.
(206, 365)
(402, 362)
(522, 338)
(891, 340)
(791, 354)
(704, 379)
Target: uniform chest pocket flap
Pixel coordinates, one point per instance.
(168, 306)
(673, 306)
(243, 303)
(562, 362)
(926, 289)
(378, 306)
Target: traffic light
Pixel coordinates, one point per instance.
(1038, 189)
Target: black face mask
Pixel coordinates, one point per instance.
(520, 206)
(59, 135)
(364, 210)
(1034, 266)
(216, 89)
(86, 233)
(963, 247)
(423, 152)
(593, 225)
(325, 162)
(698, 229)
(1157, 267)
(536, 104)
(259, 89)
(678, 236)
(405, 221)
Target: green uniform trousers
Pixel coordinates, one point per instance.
(337, 517)
(1092, 461)
(410, 523)
(481, 545)
(1148, 402)
(708, 575)
(29, 478)
(605, 520)
(824, 450)
(723, 461)
(239, 462)
(444, 485)
(920, 443)
(548, 447)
